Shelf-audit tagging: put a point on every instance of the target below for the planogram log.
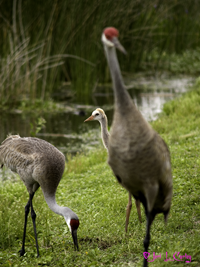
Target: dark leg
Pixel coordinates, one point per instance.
(27, 209)
(150, 217)
(33, 216)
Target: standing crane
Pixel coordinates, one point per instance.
(138, 156)
(39, 164)
(99, 115)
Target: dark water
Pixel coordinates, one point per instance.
(70, 134)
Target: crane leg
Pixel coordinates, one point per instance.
(33, 215)
(150, 217)
(137, 203)
(27, 209)
(128, 211)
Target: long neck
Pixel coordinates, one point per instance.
(126, 113)
(66, 212)
(51, 202)
(104, 131)
(122, 98)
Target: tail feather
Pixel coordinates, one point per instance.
(166, 216)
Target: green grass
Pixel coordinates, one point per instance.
(89, 188)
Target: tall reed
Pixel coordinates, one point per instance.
(38, 37)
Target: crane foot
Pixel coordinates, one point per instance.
(21, 252)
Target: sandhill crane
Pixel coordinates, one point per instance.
(138, 156)
(99, 115)
(39, 164)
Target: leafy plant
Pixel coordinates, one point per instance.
(37, 127)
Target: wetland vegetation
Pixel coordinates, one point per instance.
(50, 52)
(52, 49)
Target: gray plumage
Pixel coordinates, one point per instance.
(39, 164)
(99, 115)
(138, 156)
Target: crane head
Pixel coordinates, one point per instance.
(97, 114)
(110, 38)
(73, 224)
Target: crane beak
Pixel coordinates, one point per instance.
(91, 118)
(117, 44)
(75, 239)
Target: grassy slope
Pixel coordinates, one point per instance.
(89, 188)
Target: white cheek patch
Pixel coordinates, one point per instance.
(106, 41)
(68, 223)
(95, 116)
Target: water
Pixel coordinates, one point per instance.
(67, 130)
